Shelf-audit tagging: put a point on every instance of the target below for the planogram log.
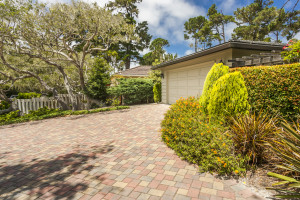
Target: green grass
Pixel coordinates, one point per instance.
(58, 113)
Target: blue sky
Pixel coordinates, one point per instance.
(166, 17)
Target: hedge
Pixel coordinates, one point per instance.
(273, 89)
(133, 90)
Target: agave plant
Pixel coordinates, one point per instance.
(251, 132)
(288, 149)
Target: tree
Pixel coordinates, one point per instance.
(62, 36)
(192, 28)
(292, 24)
(217, 22)
(99, 78)
(130, 50)
(157, 53)
(254, 20)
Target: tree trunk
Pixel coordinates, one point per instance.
(223, 33)
(196, 47)
(127, 63)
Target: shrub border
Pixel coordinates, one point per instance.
(63, 114)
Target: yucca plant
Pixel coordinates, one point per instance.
(250, 132)
(288, 149)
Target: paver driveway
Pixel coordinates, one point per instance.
(112, 155)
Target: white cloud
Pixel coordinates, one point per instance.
(229, 30)
(188, 52)
(166, 17)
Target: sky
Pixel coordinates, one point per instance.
(166, 18)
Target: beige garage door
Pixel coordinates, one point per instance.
(187, 82)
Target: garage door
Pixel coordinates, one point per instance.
(187, 82)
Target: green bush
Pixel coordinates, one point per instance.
(195, 138)
(4, 105)
(99, 78)
(9, 116)
(29, 95)
(291, 52)
(273, 89)
(133, 90)
(216, 72)
(229, 96)
(45, 113)
(157, 92)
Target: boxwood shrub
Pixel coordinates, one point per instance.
(273, 89)
(199, 140)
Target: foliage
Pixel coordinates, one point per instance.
(98, 80)
(229, 96)
(157, 53)
(4, 105)
(28, 95)
(250, 133)
(129, 50)
(217, 22)
(291, 52)
(5, 118)
(113, 102)
(44, 113)
(273, 89)
(216, 72)
(192, 29)
(157, 92)
(288, 149)
(155, 75)
(133, 90)
(199, 140)
(63, 36)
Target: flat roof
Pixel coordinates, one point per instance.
(238, 44)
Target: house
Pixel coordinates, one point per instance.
(136, 72)
(185, 76)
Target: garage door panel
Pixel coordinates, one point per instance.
(187, 82)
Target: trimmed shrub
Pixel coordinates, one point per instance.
(216, 72)
(133, 90)
(157, 92)
(273, 89)
(29, 95)
(201, 141)
(229, 96)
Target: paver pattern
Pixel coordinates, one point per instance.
(112, 155)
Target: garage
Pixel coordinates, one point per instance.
(187, 82)
(185, 76)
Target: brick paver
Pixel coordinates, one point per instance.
(112, 155)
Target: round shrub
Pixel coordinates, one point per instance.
(157, 92)
(216, 72)
(229, 96)
(199, 140)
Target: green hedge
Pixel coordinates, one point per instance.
(133, 90)
(45, 113)
(157, 92)
(273, 89)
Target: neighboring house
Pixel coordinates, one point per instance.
(136, 72)
(185, 76)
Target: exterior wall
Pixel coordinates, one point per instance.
(197, 65)
(238, 53)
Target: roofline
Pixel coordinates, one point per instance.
(239, 44)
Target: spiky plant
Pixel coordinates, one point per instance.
(288, 149)
(250, 132)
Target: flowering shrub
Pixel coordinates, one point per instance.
(273, 89)
(291, 51)
(199, 140)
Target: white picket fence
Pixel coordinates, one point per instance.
(26, 105)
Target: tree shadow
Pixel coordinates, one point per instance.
(50, 177)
